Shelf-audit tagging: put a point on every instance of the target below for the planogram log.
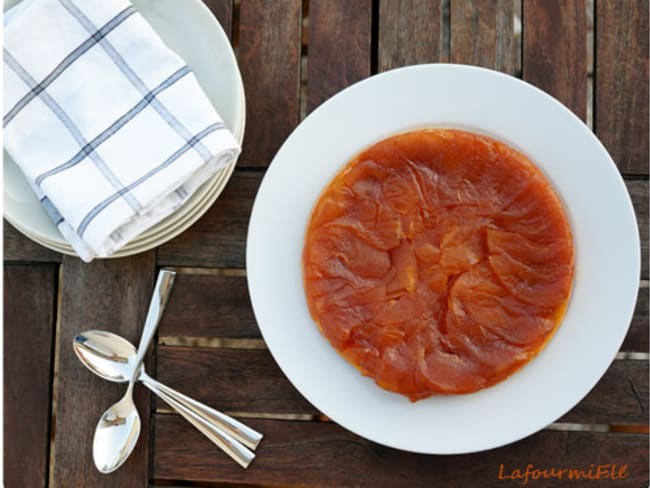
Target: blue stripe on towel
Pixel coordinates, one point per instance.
(118, 124)
(72, 128)
(186, 147)
(135, 80)
(67, 61)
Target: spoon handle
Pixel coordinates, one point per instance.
(157, 305)
(235, 428)
(224, 441)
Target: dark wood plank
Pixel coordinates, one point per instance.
(620, 397)
(112, 295)
(410, 32)
(29, 298)
(637, 339)
(482, 34)
(555, 50)
(218, 239)
(222, 10)
(621, 82)
(234, 380)
(17, 247)
(209, 306)
(339, 47)
(269, 59)
(248, 380)
(639, 194)
(324, 454)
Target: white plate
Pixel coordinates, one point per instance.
(194, 33)
(605, 234)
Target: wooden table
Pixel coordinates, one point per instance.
(293, 55)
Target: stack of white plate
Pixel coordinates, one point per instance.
(191, 30)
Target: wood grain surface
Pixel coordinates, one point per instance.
(483, 34)
(111, 295)
(209, 306)
(28, 334)
(323, 454)
(621, 82)
(235, 380)
(17, 247)
(218, 239)
(222, 10)
(269, 60)
(410, 32)
(637, 339)
(339, 47)
(638, 190)
(555, 50)
(620, 397)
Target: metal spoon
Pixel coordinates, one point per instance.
(111, 357)
(119, 427)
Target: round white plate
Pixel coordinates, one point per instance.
(599, 208)
(192, 31)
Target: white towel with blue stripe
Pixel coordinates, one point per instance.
(109, 126)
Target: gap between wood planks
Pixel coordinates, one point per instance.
(591, 44)
(304, 41)
(306, 417)
(209, 271)
(236, 343)
(643, 284)
(55, 375)
(211, 342)
(234, 40)
(302, 417)
(557, 426)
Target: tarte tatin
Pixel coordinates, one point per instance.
(438, 262)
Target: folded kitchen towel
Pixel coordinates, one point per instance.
(109, 126)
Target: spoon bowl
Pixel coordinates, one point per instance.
(119, 426)
(107, 355)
